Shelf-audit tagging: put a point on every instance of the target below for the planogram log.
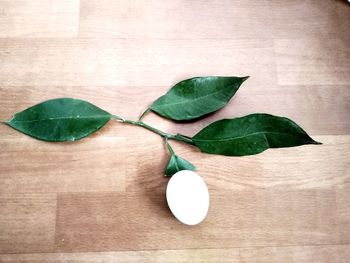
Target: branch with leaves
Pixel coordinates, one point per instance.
(67, 119)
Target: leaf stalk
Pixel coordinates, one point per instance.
(144, 113)
(170, 149)
(168, 136)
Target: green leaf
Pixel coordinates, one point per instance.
(251, 134)
(177, 164)
(63, 119)
(195, 97)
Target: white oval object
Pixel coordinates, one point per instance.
(188, 197)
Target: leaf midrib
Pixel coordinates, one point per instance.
(176, 164)
(62, 118)
(195, 99)
(240, 137)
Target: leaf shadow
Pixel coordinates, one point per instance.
(345, 2)
(153, 184)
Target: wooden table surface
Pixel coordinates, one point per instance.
(102, 199)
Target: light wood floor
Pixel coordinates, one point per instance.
(102, 199)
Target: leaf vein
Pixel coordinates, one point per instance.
(240, 137)
(62, 118)
(194, 99)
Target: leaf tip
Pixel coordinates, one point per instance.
(8, 122)
(245, 78)
(312, 141)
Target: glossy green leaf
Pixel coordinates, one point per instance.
(63, 119)
(251, 134)
(196, 97)
(177, 164)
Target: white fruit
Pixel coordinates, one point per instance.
(188, 197)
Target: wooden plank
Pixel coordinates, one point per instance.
(125, 101)
(305, 167)
(343, 210)
(141, 220)
(318, 109)
(27, 222)
(312, 61)
(303, 18)
(343, 18)
(284, 205)
(34, 166)
(207, 19)
(180, 19)
(113, 62)
(39, 18)
(175, 256)
(327, 253)
(146, 158)
(321, 254)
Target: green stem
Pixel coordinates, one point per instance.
(144, 113)
(171, 151)
(118, 118)
(182, 138)
(177, 137)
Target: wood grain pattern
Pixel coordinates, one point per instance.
(288, 168)
(313, 62)
(27, 222)
(87, 61)
(41, 167)
(237, 218)
(175, 16)
(39, 18)
(306, 104)
(322, 254)
(207, 19)
(343, 20)
(102, 199)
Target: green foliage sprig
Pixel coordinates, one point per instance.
(67, 119)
